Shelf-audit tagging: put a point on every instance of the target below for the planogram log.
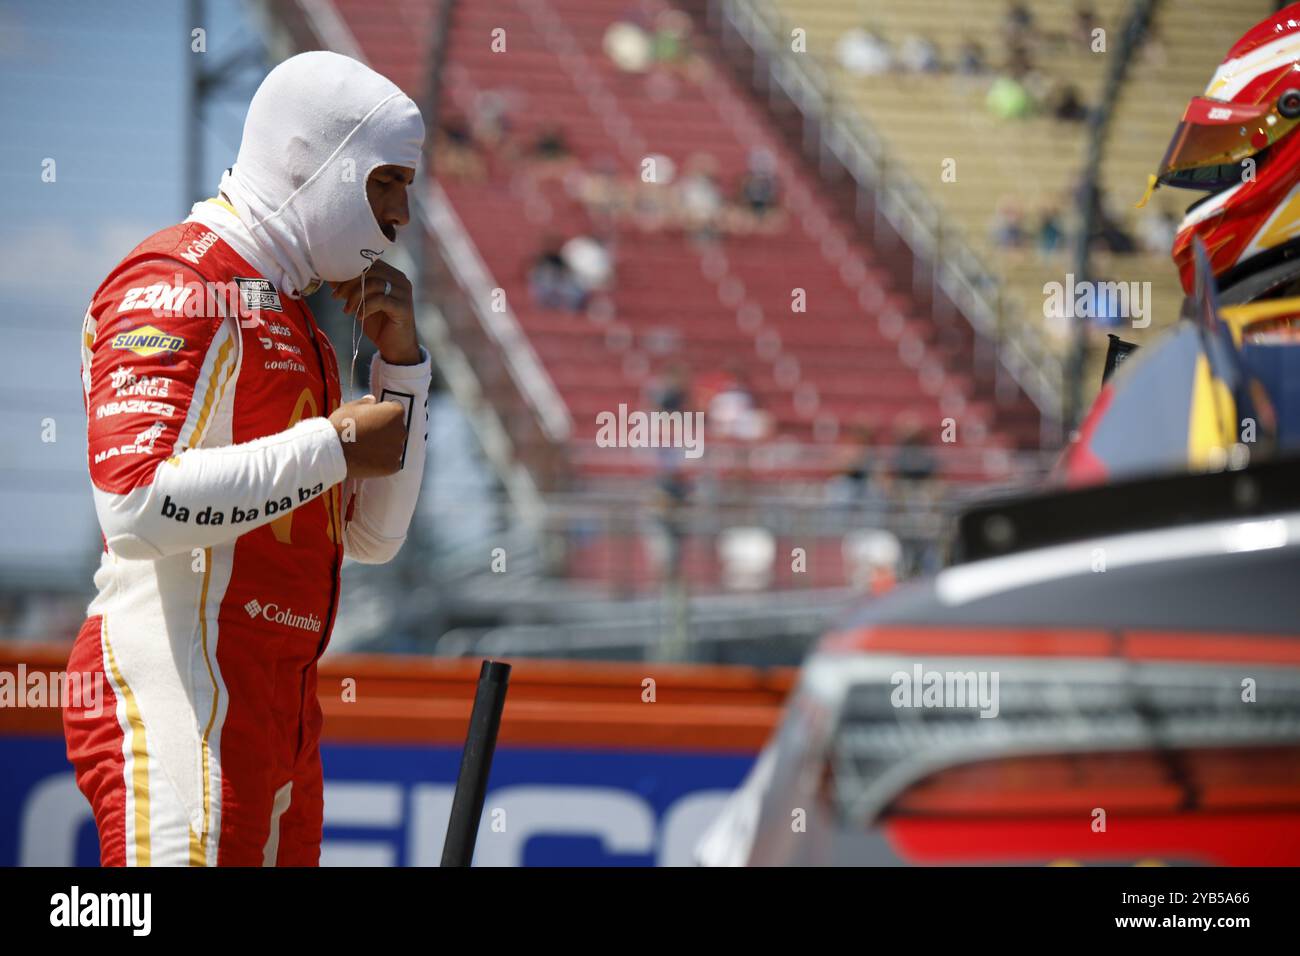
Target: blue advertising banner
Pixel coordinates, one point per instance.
(388, 805)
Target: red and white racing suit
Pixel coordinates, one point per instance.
(220, 489)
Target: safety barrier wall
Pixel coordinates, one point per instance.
(597, 764)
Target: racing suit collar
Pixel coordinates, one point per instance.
(221, 218)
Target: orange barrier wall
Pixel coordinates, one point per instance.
(557, 703)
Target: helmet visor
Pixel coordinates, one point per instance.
(1214, 138)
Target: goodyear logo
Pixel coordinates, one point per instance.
(147, 340)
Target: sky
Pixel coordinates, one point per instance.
(102, 90)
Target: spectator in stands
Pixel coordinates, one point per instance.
(1009, 97)
(671, 56)
(1085, 21)
(859, 483)
(1050, 235)
(671, 41)
(914, 461)
(914, 486)
(600, 192)
(864, 52)
(1152, 48)
(1018, 25)
(1156, 231)
(733, 411)
(671, 393)
(1020, 63)
(589, 262)
(457, 155)
(652, 204)
(1110, 234)
(971, 60)
(549, 155)
(1067, 107)
(1107, 231)
(1007, 230)
(918, 54)
(758, 208)
(629, 46)
(490, 120)
(552, 283)
(700, 202)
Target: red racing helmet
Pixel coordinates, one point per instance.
(1238, 144)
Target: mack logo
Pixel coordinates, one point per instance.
(198, 247)
(258, 294)
(147, 340)
(143, 444)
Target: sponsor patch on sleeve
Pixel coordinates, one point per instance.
(258, 294)
(147, 340)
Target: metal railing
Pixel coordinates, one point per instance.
(501, 326)
(484, 356)
(621, 542)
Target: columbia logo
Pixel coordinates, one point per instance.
(253, 608)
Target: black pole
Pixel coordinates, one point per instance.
(476, 764)
(1136, 26)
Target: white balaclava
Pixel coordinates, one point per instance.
(317, 127)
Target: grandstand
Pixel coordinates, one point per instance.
(595, 123)
(753, 220)
(928, 118)
(729, 299)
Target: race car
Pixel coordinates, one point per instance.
(1107, 670)
(1108, 675)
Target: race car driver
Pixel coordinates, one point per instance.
(230, 478)
(1239, 146)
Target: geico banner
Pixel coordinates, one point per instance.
(388, 805)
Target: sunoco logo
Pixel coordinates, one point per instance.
(274, 614)
(147, 340)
